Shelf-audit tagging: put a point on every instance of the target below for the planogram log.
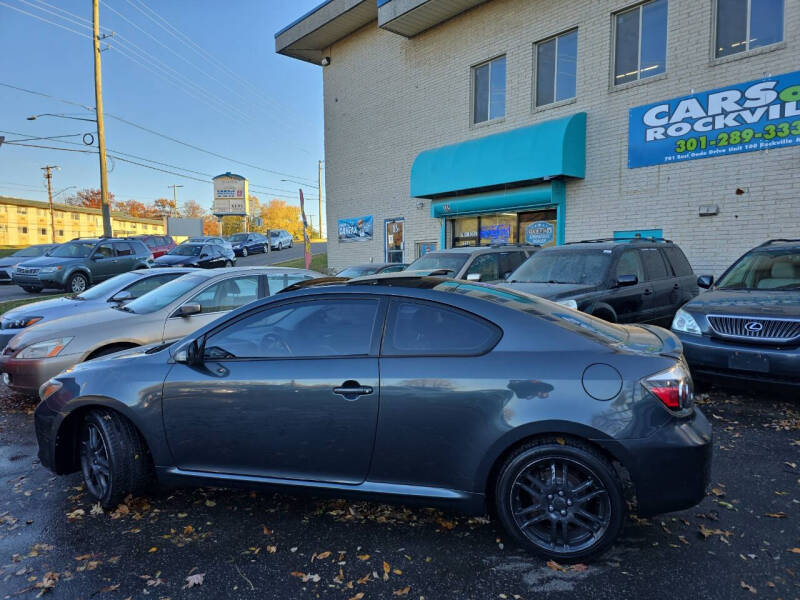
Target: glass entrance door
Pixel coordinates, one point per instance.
(394, 240)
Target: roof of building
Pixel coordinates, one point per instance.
(78, 209)
(230, 175)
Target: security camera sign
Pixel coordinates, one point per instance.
(230, 195)
(757, 115)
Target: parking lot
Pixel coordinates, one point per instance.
(743, 540)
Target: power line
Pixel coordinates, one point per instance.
(24, 12)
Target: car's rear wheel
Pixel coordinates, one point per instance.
(244, 251)
(265, 249)
(77, 283)
(228, 264)
(113, 457)
(563, 501)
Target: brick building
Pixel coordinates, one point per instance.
(26, 222)
(459, 122)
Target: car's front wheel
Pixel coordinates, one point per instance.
(561, 499)
(113, 457)
(77, 283)
(244, 251)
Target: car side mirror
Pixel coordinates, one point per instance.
(474, 277)
(193, 353)
(189, 309)
(122, 296)
(705, 281)
(204, 255)
(627, 280)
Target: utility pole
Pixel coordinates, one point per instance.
(101, 129)
(319, 189)
(48, 174)
(174, 195)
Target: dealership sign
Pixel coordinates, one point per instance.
(540, 233)
(757, 115)
(230, 195)
(355, 230)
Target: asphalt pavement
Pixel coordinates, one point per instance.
(742, 541)
(12, 292)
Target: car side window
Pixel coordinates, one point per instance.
(104, 250)
(279, 281)
(328, 327)
(416, 328)
(487, 266)
(654, 264)
(227, 294)
(123, 249)
(509, 261)
(148, 284)
(630, 264)
(680, 264)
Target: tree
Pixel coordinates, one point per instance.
(192, 210)
(210, 225)
(166, 207)
(278, 214)
(89, 198)
(135, 208)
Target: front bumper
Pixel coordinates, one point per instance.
(27, 375)
(40, 280)
(671, 469)
(46, 421)
(710, 358)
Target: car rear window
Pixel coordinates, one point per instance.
(654, 264)
(678, 260)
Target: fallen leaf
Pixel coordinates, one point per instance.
(718, 492)
(579, 567)
(358, 596)
(402, 592)
(120, 511)
(110, 588)
(48, 582)
(299, 574)
(323, 555)
(386, 569)
(96, 510)
(193, 580)
(272, 549)
(561, 440)
(266, 530)
(777, 515)
(363, 557)
(555, 566)
(795, 550)
(210, 503)
(153, 549)
(747, 587)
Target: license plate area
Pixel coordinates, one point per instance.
(748, 361)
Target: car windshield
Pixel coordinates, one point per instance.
(31, 251)
(164, 295)
(274, 233)
(109, 286)
(777, 269)
(187, 250)
(73, 250)
(357, 271)
(587, 267)
(432, 261)
(238, 237)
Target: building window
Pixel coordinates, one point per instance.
(21, 210)
(60, 233)
(76, 217)
(24, 230)
(556, 67)
(44, 231)
(747, 24)
(489, 90)
(640, 48)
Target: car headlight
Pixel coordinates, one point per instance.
(50, 269)
(20, 323)
(46, 349)
(685, 322)
(568, 303)
(48, 388)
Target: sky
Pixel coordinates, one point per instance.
(203, 72)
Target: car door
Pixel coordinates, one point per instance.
(486, 267)
(288, 391)
(215, 300)
(104, 262)
(661, 282)
(206, 259)
(126, 257)
(630, 302)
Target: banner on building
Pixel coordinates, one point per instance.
(746, 117)
(355, 230)
(540, 233)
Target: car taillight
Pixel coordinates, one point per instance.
(673, 387)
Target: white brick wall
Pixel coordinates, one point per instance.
(388, 98)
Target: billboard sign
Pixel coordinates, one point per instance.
(746, 117)
(358, 229)
(231, 194)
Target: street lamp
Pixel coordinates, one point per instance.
(300, 183)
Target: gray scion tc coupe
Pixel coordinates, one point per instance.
(412, 389)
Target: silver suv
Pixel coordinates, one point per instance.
(474, 263)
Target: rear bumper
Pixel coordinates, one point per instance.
(28, 375)
(670, 469)
(710, 358)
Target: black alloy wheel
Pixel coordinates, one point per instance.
(563, 501)
(95, 463)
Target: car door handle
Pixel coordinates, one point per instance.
(647, 292)
(351, 390)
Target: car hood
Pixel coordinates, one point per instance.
(10, 261)
(47, 261)
(53, 309)
(91, 322)
(751, 303)
(175, 259)
(551, 291)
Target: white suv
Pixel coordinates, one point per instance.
(280, 239)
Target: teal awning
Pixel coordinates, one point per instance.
(511, 158)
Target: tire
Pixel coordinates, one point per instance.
(77, 283)
(589, 501)
(244, 251)
(228, 264)
(31, 290)
(113, 457)
(265, 249)
(291, 243)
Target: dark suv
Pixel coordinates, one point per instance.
(640, 280)
(747, 326)
(474, 263)
(82, 262)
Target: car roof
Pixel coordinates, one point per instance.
(472, 249)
